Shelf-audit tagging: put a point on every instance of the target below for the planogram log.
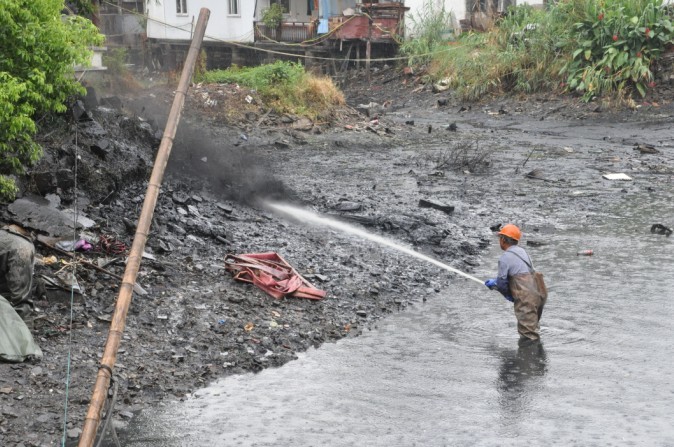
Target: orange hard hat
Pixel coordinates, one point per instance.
(511, 231)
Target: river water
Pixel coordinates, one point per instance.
(449, 371)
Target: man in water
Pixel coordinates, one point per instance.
(515, 281)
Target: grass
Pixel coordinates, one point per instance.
(285, 87)
(531, 50)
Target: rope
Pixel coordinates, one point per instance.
(108, 415)
(110, 246)
(72, 297)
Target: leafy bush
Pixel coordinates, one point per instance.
(273, 16)
(262, 77)
(590, 46)
(38, 49)
(115, 61)
(521, 53)
(616, 44)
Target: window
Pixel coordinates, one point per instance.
(234, 7)
(181, 6)
(284, 3)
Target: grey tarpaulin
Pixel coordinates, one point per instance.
(16, 341)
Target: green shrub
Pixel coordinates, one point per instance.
(589, 46)
(38, 49)
(262, 78)
(616, 44)
(273, 15)
(284, 86)
(115, 61)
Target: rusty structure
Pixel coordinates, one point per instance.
(381, 22)
(370, 26)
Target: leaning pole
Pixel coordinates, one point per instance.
(93, 418)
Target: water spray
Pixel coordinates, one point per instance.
(308, 216)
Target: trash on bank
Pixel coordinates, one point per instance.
(617, 176)
(79, 245)
(16, 340)
(661, 229)
(271, 273)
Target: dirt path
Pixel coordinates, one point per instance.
(196, 324)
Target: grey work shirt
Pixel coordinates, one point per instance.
(508, 265)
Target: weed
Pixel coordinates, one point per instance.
(592, 47)
(462, 156)
(430, 27)
(284, 86)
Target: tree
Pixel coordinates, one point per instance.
(38, 49)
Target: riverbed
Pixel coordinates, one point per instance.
(448, 369)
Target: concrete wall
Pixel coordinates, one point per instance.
(169, 25)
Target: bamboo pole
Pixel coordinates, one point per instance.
(98, 397)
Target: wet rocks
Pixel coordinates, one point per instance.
(661, 229)
(424, 203)
(347, 206)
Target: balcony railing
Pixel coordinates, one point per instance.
(295, 32)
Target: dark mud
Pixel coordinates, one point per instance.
(196, 324)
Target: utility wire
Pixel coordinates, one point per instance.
(72, 292)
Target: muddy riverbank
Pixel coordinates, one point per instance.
(196, 324)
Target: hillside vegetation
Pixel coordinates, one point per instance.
(592, 47)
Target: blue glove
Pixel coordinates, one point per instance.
(509, 298)
(491, 283)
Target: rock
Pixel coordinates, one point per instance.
(38, 214)
(180, 198)
(303, 124)
(91, 99)
(348, 206)
(225, 208)
(74, 433)
(80, 112)
(661, 229)
(448, 209)
(101, 148)
(112, 101)
(646, 149)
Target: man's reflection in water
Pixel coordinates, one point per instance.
(520, 377)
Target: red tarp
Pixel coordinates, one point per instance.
(271, 273)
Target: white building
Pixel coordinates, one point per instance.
(235, 20)
(230, 20)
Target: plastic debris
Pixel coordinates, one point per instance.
(617, 176)
(585, 253)
(80, 245)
